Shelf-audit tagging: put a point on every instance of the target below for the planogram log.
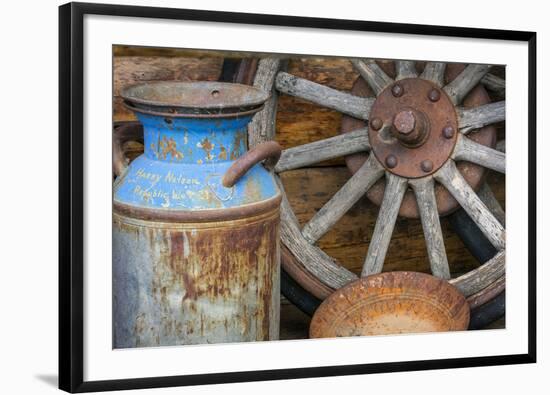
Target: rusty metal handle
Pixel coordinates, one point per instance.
(131, 131)
(270, 150)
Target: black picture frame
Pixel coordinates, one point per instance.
(71, 198)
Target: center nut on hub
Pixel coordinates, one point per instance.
(410, 128)
(413, 133)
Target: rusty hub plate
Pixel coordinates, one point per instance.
(411, 143)
(473, 174)
(391, 303)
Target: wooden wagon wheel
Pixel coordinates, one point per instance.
(400, 123)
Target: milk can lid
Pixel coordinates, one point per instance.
(194, 98)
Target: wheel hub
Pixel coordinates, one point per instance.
(413, 133)
(473, 174)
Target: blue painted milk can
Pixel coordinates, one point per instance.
(195, 220)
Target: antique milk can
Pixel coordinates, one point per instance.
(195, 220)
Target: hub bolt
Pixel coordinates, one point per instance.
(409, 127)
(434, 95)
(391, 161)
(448, 132)
(404, 122)
(397, 90)
(376, 123)
(426, 166)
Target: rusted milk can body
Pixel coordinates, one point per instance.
(195, 235)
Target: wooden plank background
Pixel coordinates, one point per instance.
(300, 122)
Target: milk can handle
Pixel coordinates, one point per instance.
(122, 134)
(270, 150)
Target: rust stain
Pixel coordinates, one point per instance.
(207, 146)
(125, 227)
(205, 195)
(238, 140)
(223, 153)
(139, 328)
(189, 285)
(252, 191)
(169, 146)
(269, 248)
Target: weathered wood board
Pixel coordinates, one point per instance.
(299, 121)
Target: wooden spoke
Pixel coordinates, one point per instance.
(342, 200)
(466, 81)
(482, 155)
(435, 72)
(494, 83)
(451, 178)
(405, 69)
(385, 222)
(427, 206)
(477, 117)
(355, 106)
(377, 79)
(314, 259)
(262, 126)
(318, 151)
(489, 199)
(482, 277)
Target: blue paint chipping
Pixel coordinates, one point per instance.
(184, 162)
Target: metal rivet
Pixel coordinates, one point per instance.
(434, 95)
(426, 165)
(376, 123)
(397, 90)
(168, 121)
(391, 161)
(448, 132)
(215, 93)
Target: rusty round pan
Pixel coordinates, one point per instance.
(391, 303)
